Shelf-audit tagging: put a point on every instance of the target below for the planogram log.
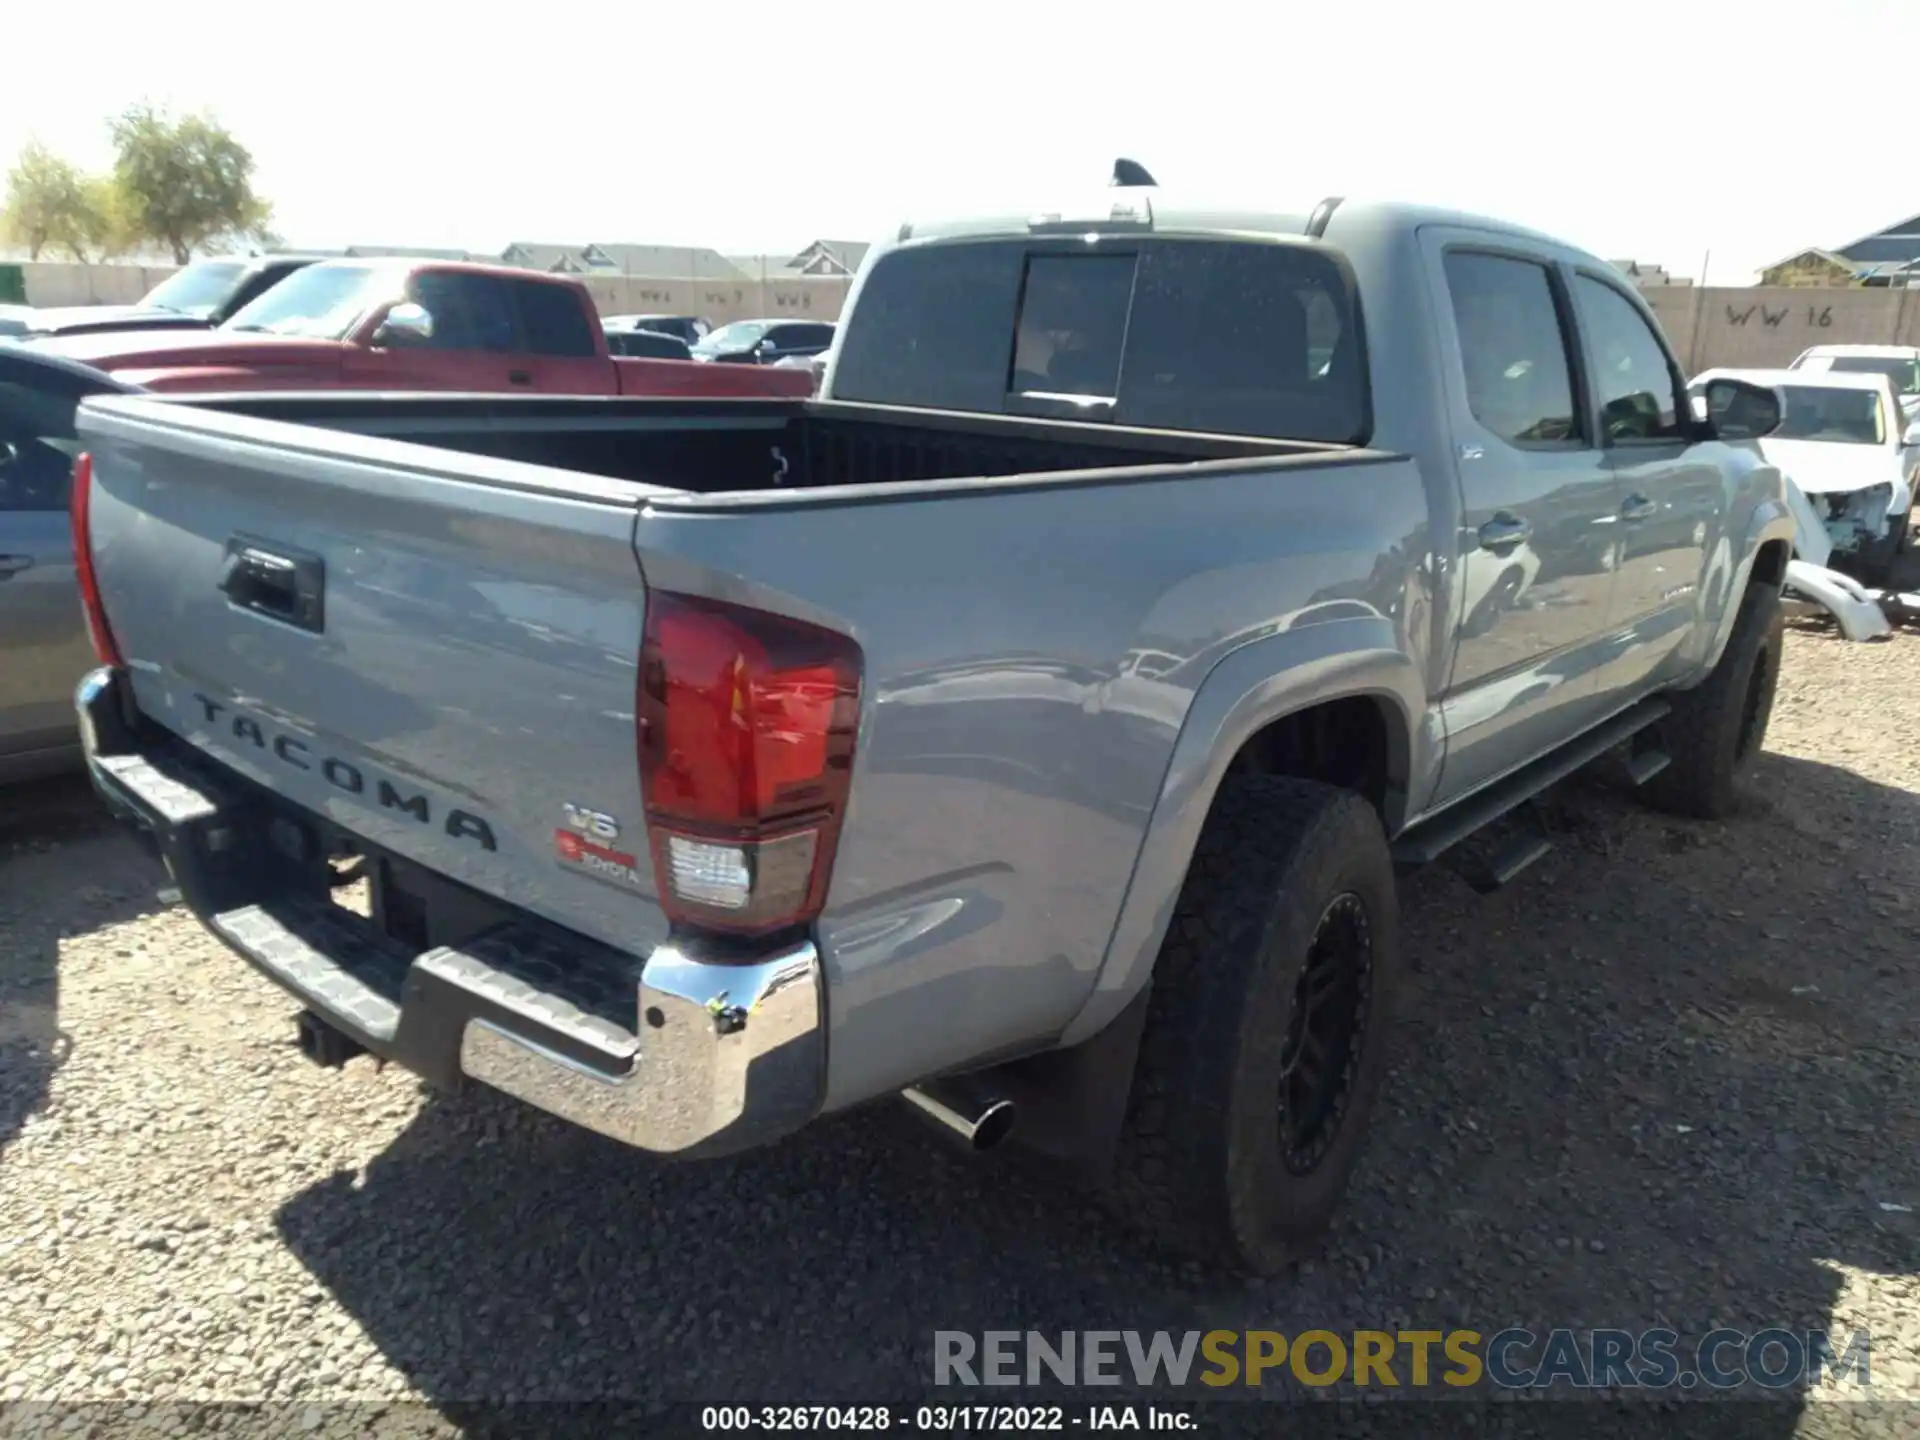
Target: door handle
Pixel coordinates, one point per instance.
(1637, 507)
(519, 377)
(1504, 531)
(12, 565)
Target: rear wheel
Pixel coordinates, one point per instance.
(1717, 728)
(1265, 1027)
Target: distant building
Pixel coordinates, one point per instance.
(1811, 268)
(556, 259)
(1886, 258)
(654, 262)
(1647, 276)
(833, 259)
(663, 262)
(830, 257)
(410, 252)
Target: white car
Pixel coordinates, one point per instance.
(1899, 363)
(1845, 444)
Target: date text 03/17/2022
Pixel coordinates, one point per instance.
(946, 1419)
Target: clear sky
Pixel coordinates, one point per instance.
(1748, 128)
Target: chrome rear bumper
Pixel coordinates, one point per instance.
(678, 1055)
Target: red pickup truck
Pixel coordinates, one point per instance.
(408, 325)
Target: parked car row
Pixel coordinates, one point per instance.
(487, 309)
(198, 296)
(794, 344)
(406, 325)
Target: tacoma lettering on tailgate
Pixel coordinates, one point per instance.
(344, 774)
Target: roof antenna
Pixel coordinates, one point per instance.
(1130, 172)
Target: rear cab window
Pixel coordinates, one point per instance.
(1195, 334)
(553, 321)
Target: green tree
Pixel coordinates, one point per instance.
(106, 228)
(185, 182)
(50, 204)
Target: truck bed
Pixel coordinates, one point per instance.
(1036, 606)
(753, 445)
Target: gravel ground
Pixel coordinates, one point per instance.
(1667, 1078)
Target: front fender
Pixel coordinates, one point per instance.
(1249, 689)
(1772, 520)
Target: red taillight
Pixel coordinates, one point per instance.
(747, 729)
(80, 510)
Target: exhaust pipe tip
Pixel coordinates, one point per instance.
(976, 1121)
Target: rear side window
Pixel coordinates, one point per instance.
(1208, 335)
(1513, 349)
(553, 321)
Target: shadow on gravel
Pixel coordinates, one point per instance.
(65, 869)
(1658, 1082)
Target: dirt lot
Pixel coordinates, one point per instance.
(1668, 1078)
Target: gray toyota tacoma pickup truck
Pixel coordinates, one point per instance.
(1032, 725)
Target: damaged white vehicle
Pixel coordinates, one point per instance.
(1851, 463)
(1843, 443)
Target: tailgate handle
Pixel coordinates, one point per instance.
(277, 581)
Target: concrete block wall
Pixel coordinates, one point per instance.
(52, 283)
(719, 300)
(1764, 326)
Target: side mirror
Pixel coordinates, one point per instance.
(1912, 436)
(406, 324)
(1742, 410)
(765, 348)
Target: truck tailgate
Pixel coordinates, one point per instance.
(438, 666)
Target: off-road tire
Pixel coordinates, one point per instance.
(1200, 1166)
(1717, 728)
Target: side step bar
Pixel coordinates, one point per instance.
(1432, 838)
